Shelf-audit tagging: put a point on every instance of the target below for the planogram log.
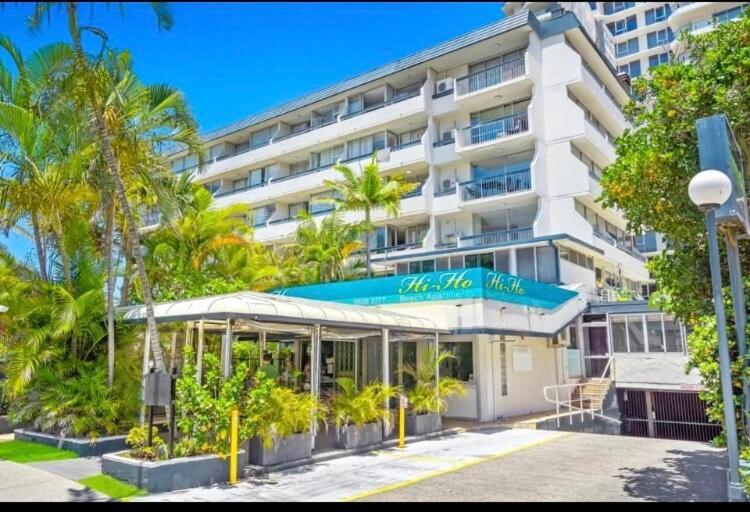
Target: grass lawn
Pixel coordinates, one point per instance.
(112, 487)
(24, 451)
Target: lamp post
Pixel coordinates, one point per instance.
(709, 190)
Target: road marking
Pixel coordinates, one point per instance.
(456, 467)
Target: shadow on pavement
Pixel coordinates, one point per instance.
(698, 475)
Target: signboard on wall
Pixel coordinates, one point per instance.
(470, 283)
(521, 359)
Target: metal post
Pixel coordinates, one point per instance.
(730, 426)
(234, 445)
(402, 422)
(385, 339)
(199, 353)
(649, 414)
(314, 375)
(172, 398)
(144, 371)
(740, 318)
(226, 351)
(172, 351)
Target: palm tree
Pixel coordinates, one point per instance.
(367, 192)
(96, 104)
(328, 246)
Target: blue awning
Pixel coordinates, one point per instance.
(470, 283)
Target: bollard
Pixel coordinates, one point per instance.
(234, 445)
(402, 404)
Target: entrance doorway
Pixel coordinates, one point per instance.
(595, 350)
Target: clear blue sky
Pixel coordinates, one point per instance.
(234, 59)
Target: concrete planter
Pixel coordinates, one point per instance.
(287, 449)
(352, 436)
(83, 447)
(169, 475)
(420, 424)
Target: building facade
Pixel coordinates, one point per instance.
(505, 130)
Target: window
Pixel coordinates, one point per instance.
(212, 186)
(621, 26)
(626, 47)
(257, 177)
(657, 60)
(649, 332)
(573, 337)
(365, 146)
(297, 208)
(496, 61)
(298, 167)
(577, 258)
(442, 264)
(239, 184)
(525, 263)
(659, 38)
(318, 206)
(503, 369)
(461, 365)
(613, 7)
(658, 14)
(546, 264)
(327, 156)
(471, 260)
(487, 260)
(631, 68)
(326, 115)
(261, 137)
(595, 171)
(259, 216)
(502, 261)
(729, 14)
(457, 262)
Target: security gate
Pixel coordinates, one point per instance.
(665, 415)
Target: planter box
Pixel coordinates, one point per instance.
(422, 424)
(356, 437)
(83, 447)
(287, 449)
(169, 475)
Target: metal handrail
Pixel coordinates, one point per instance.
(492, 130)
(570, 403)
(495, 237)
(490, 76)
(371, 108)
(497, 185)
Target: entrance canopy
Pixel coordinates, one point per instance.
(263, 307)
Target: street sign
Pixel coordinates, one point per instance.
(403, 402)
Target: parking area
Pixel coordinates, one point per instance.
(496, 465)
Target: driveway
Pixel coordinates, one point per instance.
(22, 482)
(496, 465)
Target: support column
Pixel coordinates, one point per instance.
(172, 351)
(262, 346)
(386, 378)
(226, 351)
(188, 335)
(199, 353)
(314, 373)
(649, 414)
(740, 319)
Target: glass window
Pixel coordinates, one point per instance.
(257, 177)
(239, 184)
(653, 329)
(619, 334)
(632, 68)
(546, 261)
(428, 266)
(502, 261)
(442, 264)
(635, 333)
(672, 335)
(461, 366)
(261, 137)
(525, 263)
(471, 260)
(415, 267)
(296, 209)
(487, 260)
(628, 47)
(402, 269)
(659, 37)
(573, 337)
(656, 60)
(658, 14)
(457, 262)
(621, 26)
(212, 186)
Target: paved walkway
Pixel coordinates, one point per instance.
(72, 469)
(22, 482)
(358, 475)
(584, 467)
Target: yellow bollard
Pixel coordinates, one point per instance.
(401, 421)
(234, 445)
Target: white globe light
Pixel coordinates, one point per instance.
(710, 189)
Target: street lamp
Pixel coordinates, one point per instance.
(709, 190)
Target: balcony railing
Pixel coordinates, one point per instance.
(493, 130)
(499, 185)
(498, 237)
(445, 191)
(619, 244)
(490, 76)
(397, 248)
(378, 106)
(306, 130)
(414, 193)
(240, 189)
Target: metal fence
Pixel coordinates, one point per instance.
(665, 415)
(500, 185)
(491, 76)
(486, 132)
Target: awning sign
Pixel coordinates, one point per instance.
(470, 283)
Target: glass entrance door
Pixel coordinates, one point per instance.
(595, 350)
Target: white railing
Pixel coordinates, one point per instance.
(491, 76)
(493, 130)
(578, 400)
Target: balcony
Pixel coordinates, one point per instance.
(240, 189)
(497, 237)
(632, 251)
(487, 133)
(378, 106)
(500, 185)
(490, 77)
(385, 251)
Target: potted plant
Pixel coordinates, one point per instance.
(278, 423)
(359, 415)
(428, 398)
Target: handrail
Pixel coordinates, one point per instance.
(606, 367)
(497, 185)
(495, 129)
(377, 106)
(490, 76)
(570, 403)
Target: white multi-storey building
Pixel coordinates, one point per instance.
(506, 130)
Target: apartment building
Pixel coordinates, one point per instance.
(505, 129)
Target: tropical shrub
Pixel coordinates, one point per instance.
(271, 412)
(138, 441)
(426, 397)
(203, 409)
(351, 407)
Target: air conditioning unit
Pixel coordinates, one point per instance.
(446, 84)
(447, 183)
(447, 136)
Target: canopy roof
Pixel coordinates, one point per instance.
(265, 307)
